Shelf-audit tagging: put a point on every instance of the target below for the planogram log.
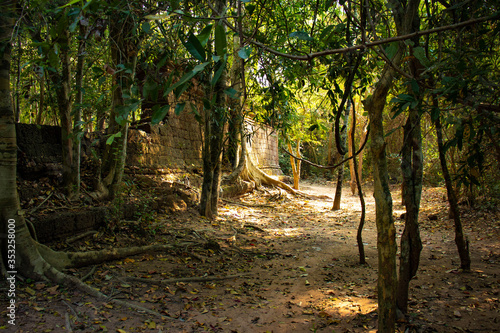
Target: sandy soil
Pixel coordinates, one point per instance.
(294, 266)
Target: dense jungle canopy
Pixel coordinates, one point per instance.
(415, 83)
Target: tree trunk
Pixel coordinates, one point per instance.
(124, 49)
(357, 178)
(386, 232)
(338, 188)
(412, 169)
(350, 137)
(460, 240)
(215, 119)
(295, 164)
(77, 127)
(62, 83)
(340, 177)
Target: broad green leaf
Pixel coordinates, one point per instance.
(179, 107)
(302, 35)
(204, 35)
(245, 52)
(419, 53)
(159, 114)
(200, 67)
(188, 76)
(146, 27)
(195, 48)
(112, 137)
(391, 50)
(218, 73)
(181, 89)
(233, 93)
(326, 34)
(220, 40)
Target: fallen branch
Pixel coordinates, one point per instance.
(40, 205)
(89, 274)
(192, 279)
(78, 237)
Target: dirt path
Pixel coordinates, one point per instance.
(299, 272)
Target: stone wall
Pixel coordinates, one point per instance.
(263, 147)
(176, 144)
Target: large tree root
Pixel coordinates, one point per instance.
(64, 260)
(40, 262)
(254, 174)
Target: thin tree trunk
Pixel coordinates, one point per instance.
(77, 128)
(357, 178)
(295, 164)
(215, 119)
(340, 177)
(386, 232)
(411, 244)
(41, 103)
(460, 240)
(124, 50)
(352, 131)
(62, 83)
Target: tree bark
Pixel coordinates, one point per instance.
(412, 169)
(62, 84)
(460, 239)
(124, 49)
(295, 164)
(340, 177)
(357, 178)
(215, 119)
(386, 232)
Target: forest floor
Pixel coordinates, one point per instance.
(290, 265)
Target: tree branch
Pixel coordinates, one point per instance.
(363, 46)
(327, 167)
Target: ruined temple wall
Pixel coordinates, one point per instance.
(263, 147)
(176, 144)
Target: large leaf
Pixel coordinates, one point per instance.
(391, 50)
(204, 35)
(200, 67)
(179, 107)
(419, 53)
(218, 73)
(233, 93)
(220, 40)
(112, 137)
(195, 48)
(159, 114)
(245, 52)
(302, 35)
(188, 76)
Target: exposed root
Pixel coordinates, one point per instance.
(259, 177)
